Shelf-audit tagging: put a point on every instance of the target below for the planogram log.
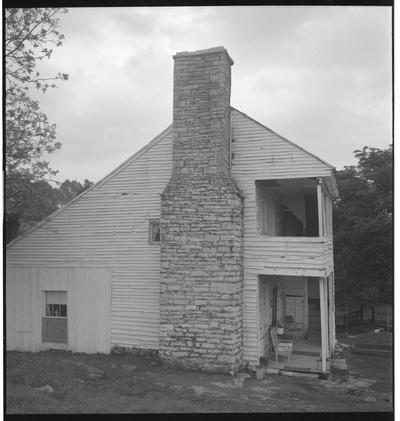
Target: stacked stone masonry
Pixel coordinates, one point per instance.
(201, 224)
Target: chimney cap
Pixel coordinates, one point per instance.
(212, 50)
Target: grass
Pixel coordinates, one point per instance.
(75, 391)
(131, 384)
(379, 368)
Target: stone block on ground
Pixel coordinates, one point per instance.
(46, 389)
(339, 364)
(260, 373)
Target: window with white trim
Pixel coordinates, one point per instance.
(55, 317)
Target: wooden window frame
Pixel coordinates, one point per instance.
(152, 224)
(52, 319)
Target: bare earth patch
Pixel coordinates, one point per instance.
(63, 382)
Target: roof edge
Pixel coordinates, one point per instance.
(284, 138)
(132, 158)
(114, 172)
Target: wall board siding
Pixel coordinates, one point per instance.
(88, 307)
(108, 226)
(263, 154)
(260, 154)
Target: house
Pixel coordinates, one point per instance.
(195, 246)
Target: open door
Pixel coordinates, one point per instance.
(295, 307)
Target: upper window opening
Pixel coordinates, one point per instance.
(287, 207)
(154, 231)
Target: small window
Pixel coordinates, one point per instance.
(154, 231)
(54, 321)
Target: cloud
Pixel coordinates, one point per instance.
(321, 76)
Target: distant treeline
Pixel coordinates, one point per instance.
(34, 200)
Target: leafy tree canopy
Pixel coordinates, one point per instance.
(38, 199)
(28, 135)
(30, 36)
(69, 189)
(363, 229)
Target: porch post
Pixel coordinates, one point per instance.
(328, 318)
(305, 317)
(320, 211)
(258, 321)
(323, 324)
(332, 330)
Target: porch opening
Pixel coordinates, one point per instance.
(287, 207)
(291, 305)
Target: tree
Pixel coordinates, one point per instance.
(363, 226)
(37, 200)
(29, 33)
(29, 36)
(28, 136)
(40, 201)
(68, 190)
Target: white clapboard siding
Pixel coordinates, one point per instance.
(108, 226)
(88, 307)
(329, 249)
(250, 317)
(261, 154)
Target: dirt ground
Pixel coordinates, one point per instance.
(63, 382)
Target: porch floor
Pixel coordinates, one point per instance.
(305, 356)
(310, 346)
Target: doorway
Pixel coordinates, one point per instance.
(294, 305)
(270, 310)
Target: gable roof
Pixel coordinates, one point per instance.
(134, 157)
(120, 167)
(284, 139)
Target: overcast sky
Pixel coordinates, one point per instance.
(320, 76)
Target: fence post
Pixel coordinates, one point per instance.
(388, 317)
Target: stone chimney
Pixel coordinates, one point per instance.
(201, 223)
